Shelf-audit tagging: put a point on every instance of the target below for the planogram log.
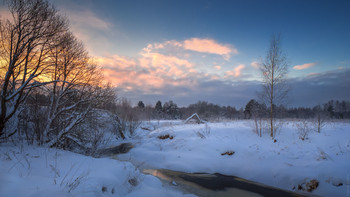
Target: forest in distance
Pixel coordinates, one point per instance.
(211, 112)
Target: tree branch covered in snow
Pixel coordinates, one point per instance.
(25, 42)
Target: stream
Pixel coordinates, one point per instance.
(218, 185)
(203, 184)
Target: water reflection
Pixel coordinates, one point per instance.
(217, 185)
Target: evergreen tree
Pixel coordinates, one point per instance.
(158, 107)
(141, 105)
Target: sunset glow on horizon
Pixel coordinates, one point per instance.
(210, 50)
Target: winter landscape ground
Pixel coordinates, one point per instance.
(289, 163)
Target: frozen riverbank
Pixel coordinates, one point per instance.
(289, 164)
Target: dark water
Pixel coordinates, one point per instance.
(217, 185)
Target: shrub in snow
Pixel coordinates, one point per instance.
(204, 132)
(303, 127)
(277, 126)
(259, 125)
(322, 155)
(320, 121)
(71, 182)
(127, 118)
(256, 111)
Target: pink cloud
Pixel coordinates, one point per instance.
(235, 72)
(255, 64)
(170, 43)
(115, 60)
(217, 67)
(152, 70)
(304, 66)
(131, 79)
(173, 43)
(160, 60)
(209, 46)
(214, 77)
(118, 70)
(193, 44)
(169, 67)
(312, 74)
(164, 64)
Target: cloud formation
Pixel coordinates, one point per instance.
(165, 71)
(160, 66)
(235, 72)
(306, 91)
(217, 67)
(155, 76)
(255, 64)
(200, 45)
(304, 66)
(318, 88)
(209, 46)
(149, 72)
(171, 64)
(96, 32)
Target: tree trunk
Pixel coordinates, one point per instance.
(319, 123)
(271, 101)
(2, 127)
(271, 121)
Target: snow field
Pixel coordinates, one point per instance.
(285, 164)
(36, 171)
(325, 156)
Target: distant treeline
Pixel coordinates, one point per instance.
(121, 118)
(333, 109)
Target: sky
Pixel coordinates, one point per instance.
(190, 50)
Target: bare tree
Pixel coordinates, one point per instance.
(127, 119)
(321, 118)
(274, 69)
(258, 114)
(25, 41)
(74, 89)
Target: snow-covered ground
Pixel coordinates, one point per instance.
(285, 164)
(36, 171)
(325, 156)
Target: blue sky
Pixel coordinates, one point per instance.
(208, 50)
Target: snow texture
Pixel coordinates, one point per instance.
(35, 171)
(287, 163)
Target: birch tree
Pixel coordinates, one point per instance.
(25, 41)
(274, 69)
